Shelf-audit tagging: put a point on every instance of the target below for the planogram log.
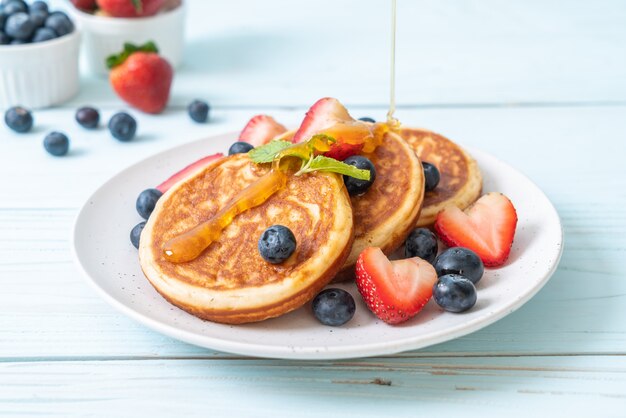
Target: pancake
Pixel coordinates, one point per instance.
(230, 282)
(385, 214)
(461, 180)
(388, 211)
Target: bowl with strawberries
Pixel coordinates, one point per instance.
(109, 24)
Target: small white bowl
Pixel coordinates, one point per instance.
(40, 74)
(103, 36)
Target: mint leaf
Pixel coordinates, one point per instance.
(266, 153)
(321, 163)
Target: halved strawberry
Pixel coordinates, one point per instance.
(260, 130)
(394, 290)
(487, 228)
(327, 113)
(188, 171)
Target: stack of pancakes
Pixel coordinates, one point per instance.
(231, 283)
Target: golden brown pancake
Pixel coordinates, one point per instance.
(230, 282)
(385, 214)
(388, 211)
(461, 180)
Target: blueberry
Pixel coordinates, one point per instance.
(18, 42)
(19, 119)
(146, 201)
(56, 143)
(122, 126)
(198, 111)
(454, 293)
(431, 175)
(135, 233)
(367, 119)
(44, 34)
(356, 186)
(459, 260)
(39, 18)
(19, 26)
(39, 6)
(88, 117)
(3, 19)
(334, 307)
(239, 148)
(276, 244)
(60, 23)
(421, 243)
(14, 6)
(4, 39)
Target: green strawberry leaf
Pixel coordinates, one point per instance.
(266, 153)
(129, 49)
(321, 163)
(137, 5)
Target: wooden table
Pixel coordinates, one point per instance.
(539, 84)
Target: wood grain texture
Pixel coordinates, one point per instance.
(538, 84)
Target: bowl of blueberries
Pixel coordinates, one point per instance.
(39, 51)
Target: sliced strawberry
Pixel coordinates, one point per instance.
(322, 115)
(188, 171)
(394, 290)
(487, 228)
(341, 151)
(260, 130)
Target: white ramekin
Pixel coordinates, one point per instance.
(40, 74)
(103, 36)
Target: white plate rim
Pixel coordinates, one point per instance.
(310, 353)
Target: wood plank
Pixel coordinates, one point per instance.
(400, 387)
(279, 52)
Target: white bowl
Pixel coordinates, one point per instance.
(40, 74)
(103, 36)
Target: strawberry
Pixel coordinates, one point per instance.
(86, 5)
(394, 290)
(141, 77)
(188, 171)
(487, 228)
(260, 130)
(131, 8)
(328, 115)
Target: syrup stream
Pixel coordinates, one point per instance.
(391, 120)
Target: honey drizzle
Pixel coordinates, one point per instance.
(392, 122)
(191, 244)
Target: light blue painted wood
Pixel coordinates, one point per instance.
(465, 66)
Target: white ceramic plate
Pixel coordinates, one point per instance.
(104, 253)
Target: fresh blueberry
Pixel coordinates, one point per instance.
(19, 26)
(146, 201)
(44, 34)
(459, 260)
(14, 6)
(276, 244)
(431, 175)
(39, 6)
(239, 148)
(18, 42)
(356, 186)
(3, 20)
(135, 233)
(421, 243)
(367, 119)
(198, 111)
(88, 117)
(454, 293)
(38, 17)
(4, 39)
(19, 119)
(60, 23)
(334, 307)
(123, 126)
(56, 143)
